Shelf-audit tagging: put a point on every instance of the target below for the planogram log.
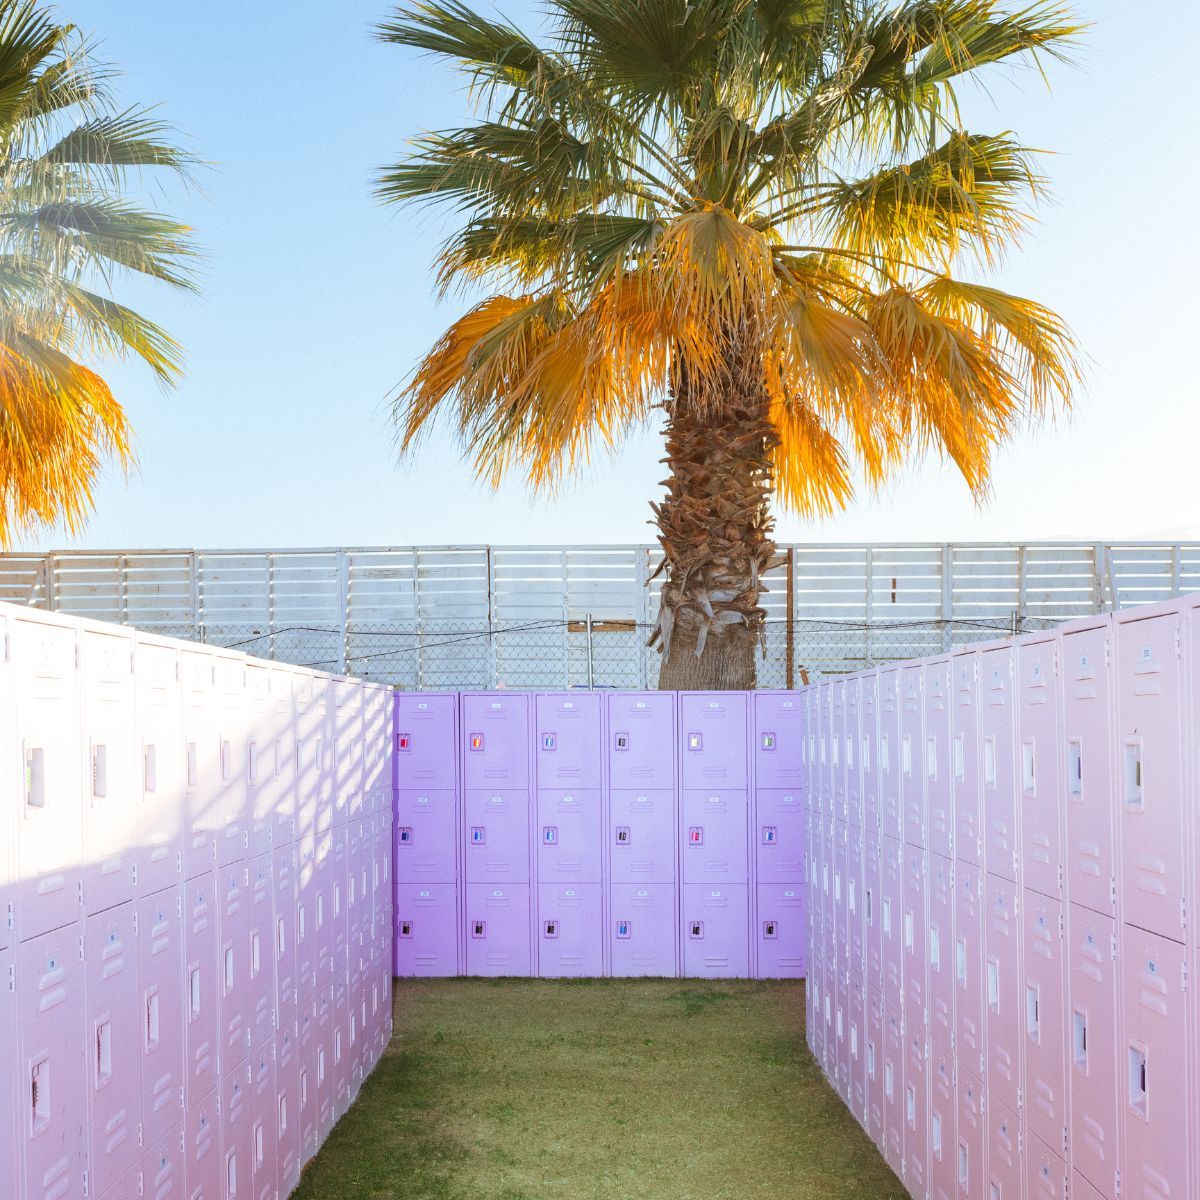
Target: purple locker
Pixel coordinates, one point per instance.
(876, 1099)
(1087, 736)
(162, 1167)
(858, 1047)
(894, 1054)
(495, 728)
(778, 733)
(782, 918)
(261, 963)
(202, 1148)
(642, 836)
(498, 929)
(937, 758)
(854, 899)
(568, 833)
(569, 929)
(1004, 995)
(915, 940)
(969, 980)
(822, 758)
(713, 735)
(997, 733)
(891, 813)
(837, 763)
(264, 1129)
(942, 900)
(237, 1133)
(1155, 1160)
(233, 965)
(715, 932)
(287, 1108)
(1095, 1069)
(497, 836)
(1005, 1166)
(1040, 768)
(201, 947)
(913, 755)
(160, 968)
(568, 740)
(642, 928)
(713, 829)
(970, 1166)
(1045, 1171)
(841, 924)
(850, 754)
(112, 1031)
(891, 919)
(284, 939)
(964, 759)
(943, 1139)
(872, 903)
(641, 740)
(425, 837)
(426, 929)
(916, 1112)
(779, 844)
(1044, 1095)
(868, 756)
(841, 1035)
(343, 1070)
(1150, 775)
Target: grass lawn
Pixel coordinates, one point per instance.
(617, 1089)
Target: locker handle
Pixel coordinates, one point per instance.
(993, 984)
(960, 962)
(35, 777)
(259, 1146)
(39, 1094)
(963, 1166)
(1075, 767)
(1134, 799)
(103, 1052)
(935, 948)
(283, 1115)
(1028, 769)
(255, 954)
(1032, 1013)
(194, 992)
(1080, 1041)
(231, 1174)
(192, 773)
(1139, 1096)
(152, 1020)
(228, 970)
(149, 767)
(960, 766)
(99, 771)
(937, 1136)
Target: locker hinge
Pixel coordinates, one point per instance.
(10, 916)
(6, 649)
(1107, 653)
(77, 668)
(1112, 891)
(1183, 913)
(1112, 941)
(1117, 1183)
(86, 1183)
(1183, 975)
(81, 959)
(1178, 642)
(1060, 888)
(135, 924)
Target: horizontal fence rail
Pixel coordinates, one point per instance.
(430, 617)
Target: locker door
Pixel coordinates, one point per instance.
(892, 920)
(496, 736)
(308, 750)
(280, 761)
(872, 902)
(1156, 1158)
(569, 930)
(233, 800)
(916, 1113)
(1042, 801)
(287, 1108)
(322, 1064)
(914, 756)
(306, 1081)
(1045, 1171)
(641, 740)
(201, 948)
(936, 758)
(1004, 994)
(1087, 739)
(160, 783)
(201, 744)
(779, 845)
(342, 1068)
(1150, 759)
(876, 1100)
(642, 929)
(202, 1148)
(914, 940)
(283, 917)
(971, 1147)
(715, 933)
(261, 964)
(233, 965)
(160, 1013)
(941, 951)
(841, 1034)
(642, 837)
(943, 1140)
(425, 742)
(264, 1129)
(321, 756)
(237, 1160)
(110, 807)
(781, 931)
(837, 734)
(52, 1116)
(891, 762)
(568, 740)
(1045, 1091)
(713, 728)
(858, 1047)
(348, 745)
(894, 1055)
(714, 825)
(49, 822)
(841, 928)
(568, 835)
(498, 929)
(426, 929)
(969, 975)
(1095, 1071)
(854, 899)
(851, 734)
(823, 757)
(497, 836)
(997, 730)
(964, 759)
(8, 1077)
(260, 747)
(162, 1167)
(1005, 1158)
(112, 1025)
(869, 747)
(426, 837)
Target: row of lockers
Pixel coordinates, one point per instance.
(136, 762)
(1002, 1029)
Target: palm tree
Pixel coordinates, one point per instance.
(68, 231)
(747, 213)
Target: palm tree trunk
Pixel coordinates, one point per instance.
(715, 530)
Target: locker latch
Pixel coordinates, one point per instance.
(550, 835)
(550, 741)
(770, 930)
(406, 929)
(770, 835)
(478, 929)
(478, 835)
(696, 835)
(551, 929)
(624, 929)
(622, 835)
(696, 930)
(695, 741)
(768, 741)
(404, 741)
(621, 741)
(406, 835)
(475, 742)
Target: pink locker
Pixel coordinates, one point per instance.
(234, 965)
(343, 1049)
(916, 1112)
(1087, 738)
(713, 826)
(348, 749)
(854, 898)
(306, 742)
(495, 728)
(1045, 1170)
(322, 752)
(201, 744)
(822, 760)
(264, 1128)
(1005, 1152)
(283, 940)
(306, 1081)
(261, 964)
(713, 727)
(427, 927)
(876, 1097)
(837, 733)
(322, 1065)
(778, 733)
(868, 746)
(202, 1148)
(779, 836)
(642, 836)
(894, 1054)
(841, 1035)
(498, 929)
(237, 1134)
(781, 931)
(841, 928)
(913, 756)
(940, 953)
(891, 920)
(1042, 800)
(851, 732)
(110, 805)
(160, 769)
(813, 1029)
(1044, 1095)
(1150, 758)
(1155, 1161)
(915, 940)
(998, 731)
(305, 923)
(287, 1108)
(567, 745)
(1095, 1069)
(568, 831)
(872, 904)
(891, 812)
(8, 1075)
(425, 741)
(52, 1118)
(322, 912)
(943, 1140)
(965, 756)
(1005, 995)
(971, 1145)
(162, 1167)
(497, 836)
(160, 969)
(201, 948)
(715, 931)
(232, 805)
(570, 930)
(112, 1034)
(1082, 1190)
(260, 747)
(279, 764)
(426, 838)
(969, 975)
(937, 758)
(642, 923)
(640, 724)
(858, 1048)
(49, 821)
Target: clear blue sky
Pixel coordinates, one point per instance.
(317, 301)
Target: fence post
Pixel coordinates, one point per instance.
(591, 674)
(947, 598)
(791, 618)
(343, 573)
